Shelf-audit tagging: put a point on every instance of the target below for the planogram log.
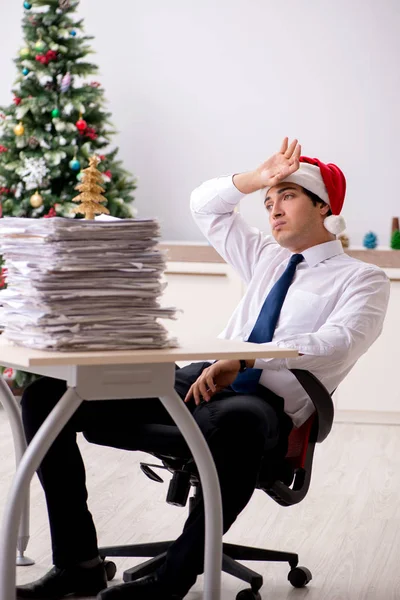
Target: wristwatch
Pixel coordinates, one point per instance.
(243, 366)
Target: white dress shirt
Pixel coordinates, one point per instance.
(333, 312)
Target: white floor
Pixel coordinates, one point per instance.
(347, 530)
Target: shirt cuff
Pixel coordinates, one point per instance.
(227, 190)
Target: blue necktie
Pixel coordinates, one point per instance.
(263, 330)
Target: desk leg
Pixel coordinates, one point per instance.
(13, 411)
(28, 465)
(211, 492)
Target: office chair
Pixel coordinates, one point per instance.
(286, 480)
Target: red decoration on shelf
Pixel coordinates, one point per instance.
(51, 213)
(3, 149)
(17, 100)
(108, 173)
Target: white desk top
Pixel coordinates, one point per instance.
(21, 357)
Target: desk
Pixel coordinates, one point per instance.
(123, 375)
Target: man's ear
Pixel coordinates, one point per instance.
(325, 208)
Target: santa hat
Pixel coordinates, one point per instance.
(328, 183)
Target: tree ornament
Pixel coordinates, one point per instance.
(55, 113)
(73, 33)
(91, 191)
(36, 200)
(25, 71)
(3, 149)
(24, 52)
(81, 124)
(17, 100)
(65, 82)
(51, 55)
(40, 45)
(74, 164)
(370, 240)
(395, 241)
(33, 142)
(19, 129)
(108, 174)
(27, 5)
(34, 172)
(51, 213)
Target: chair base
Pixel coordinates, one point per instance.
(231, 554)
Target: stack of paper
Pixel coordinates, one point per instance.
(77, 284)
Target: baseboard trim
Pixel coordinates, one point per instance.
(367, 416)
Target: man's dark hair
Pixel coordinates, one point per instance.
(316, 200)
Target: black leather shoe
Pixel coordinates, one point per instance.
(145, 588)
(58, 583)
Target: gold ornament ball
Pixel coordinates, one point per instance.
(36, 200)
(19, 129)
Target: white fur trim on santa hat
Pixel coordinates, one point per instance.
(309, 177)
(335, 224)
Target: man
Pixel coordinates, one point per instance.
(303, 292)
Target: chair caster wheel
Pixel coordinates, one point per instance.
(299, 577)
(111, 569)
(248, 594)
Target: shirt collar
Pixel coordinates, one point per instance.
(316, 254)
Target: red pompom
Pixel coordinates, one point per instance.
(81, 125)
(3, 149)
(108, 173)
(17, 100)
(102, 157)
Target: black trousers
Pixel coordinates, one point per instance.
(240, 430)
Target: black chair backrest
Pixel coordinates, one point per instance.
(287, 479)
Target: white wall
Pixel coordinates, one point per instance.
(200, 88)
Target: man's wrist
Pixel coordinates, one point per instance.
(250, 363)
(247, 183)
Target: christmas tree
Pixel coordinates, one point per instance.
(91, 195)
(395, 241)
(370, 240)
(57, 120)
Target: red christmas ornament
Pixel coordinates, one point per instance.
(51, 213)
(102, 157)
(81, 125)
(90, 132)
(108, 173)
(42, 59)
(3, 149)
(51, 55)
(17, 100)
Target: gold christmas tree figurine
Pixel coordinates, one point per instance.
(91, 192)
